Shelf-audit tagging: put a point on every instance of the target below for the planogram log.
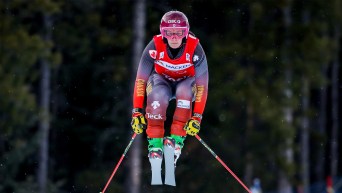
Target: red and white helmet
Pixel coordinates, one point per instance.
(174, 19)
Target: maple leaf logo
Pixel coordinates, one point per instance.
(153, 53)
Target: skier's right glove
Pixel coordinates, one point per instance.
(138, 122)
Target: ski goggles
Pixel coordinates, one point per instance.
(169, 32)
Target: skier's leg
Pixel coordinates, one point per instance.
(158, 94)
(185, 92)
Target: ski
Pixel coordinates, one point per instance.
(156, 159)
(169, 155)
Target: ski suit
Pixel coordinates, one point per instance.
(164, 74)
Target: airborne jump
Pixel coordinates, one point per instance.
(173, 66)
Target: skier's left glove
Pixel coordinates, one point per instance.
(138, 122)
(193, 126)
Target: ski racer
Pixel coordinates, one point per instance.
(173, 66)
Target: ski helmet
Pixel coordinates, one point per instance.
(174, 19)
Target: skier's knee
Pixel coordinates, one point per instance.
(158, 98)
(156, 107)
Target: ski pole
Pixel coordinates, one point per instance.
(118, 164)
(224, 165)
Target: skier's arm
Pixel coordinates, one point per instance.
(202, 78)
(145, 68)
(192, 127)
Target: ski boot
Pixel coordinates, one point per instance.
(179, 143)
(155, 155)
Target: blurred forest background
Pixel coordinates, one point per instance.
(67, 70)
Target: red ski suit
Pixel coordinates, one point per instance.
(162, 77)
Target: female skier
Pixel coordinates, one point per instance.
(173, 66)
